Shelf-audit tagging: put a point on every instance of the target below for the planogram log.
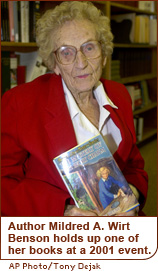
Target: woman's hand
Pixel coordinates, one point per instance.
(71, 210)
(133, 212)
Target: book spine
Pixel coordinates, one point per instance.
(27, 21)
(11, 20)
(6, 21)
(145, 93)
(31, 25)
(19, 19)
(22, 19)
(137, 97)
(2, 23)
(15, 13)
(140, 128)
(24, 16)
(36, 16)
(153, 31)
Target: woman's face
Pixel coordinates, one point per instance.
(83, 74)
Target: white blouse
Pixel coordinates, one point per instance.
(84, 129)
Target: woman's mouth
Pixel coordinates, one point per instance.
(83, 76)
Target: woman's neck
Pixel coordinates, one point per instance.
(89, 107)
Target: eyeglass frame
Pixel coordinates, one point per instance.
(55, 52)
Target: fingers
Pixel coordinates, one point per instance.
(133, 212)
(74, 211)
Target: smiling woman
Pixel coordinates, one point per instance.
(84, 72)
(54, 19)
(57, 111)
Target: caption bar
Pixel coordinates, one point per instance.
(78, 238)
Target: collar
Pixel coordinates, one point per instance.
(101, 96)
(99, 93)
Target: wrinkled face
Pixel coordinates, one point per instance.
(105, 174)
(83, 74)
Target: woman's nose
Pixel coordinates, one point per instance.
(81, 60)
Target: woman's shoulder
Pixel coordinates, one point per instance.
(39, 88)
(40, 83)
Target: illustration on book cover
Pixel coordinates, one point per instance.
(94, 179)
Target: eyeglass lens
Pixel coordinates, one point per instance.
(67, 54)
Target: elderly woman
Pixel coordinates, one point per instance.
(59, 110)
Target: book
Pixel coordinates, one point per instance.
(15, 18)
(138, 101)
(130, 89)
(140, 129)
(133, 62)
(24, 21)
(141, 29)
(145, 92)
(34, 9)
(94, 179)
(19, 19)
(11, 20)
(147, 5)
(2, 23)
(5, 20)
(136, 95)
(28, 60)
(115, 70)
(153, 30)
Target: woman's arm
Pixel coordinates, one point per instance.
(21, 195)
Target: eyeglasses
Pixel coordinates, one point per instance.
(67, 54)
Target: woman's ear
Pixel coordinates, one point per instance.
(104, 61)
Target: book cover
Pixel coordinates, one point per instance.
(94, 179)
